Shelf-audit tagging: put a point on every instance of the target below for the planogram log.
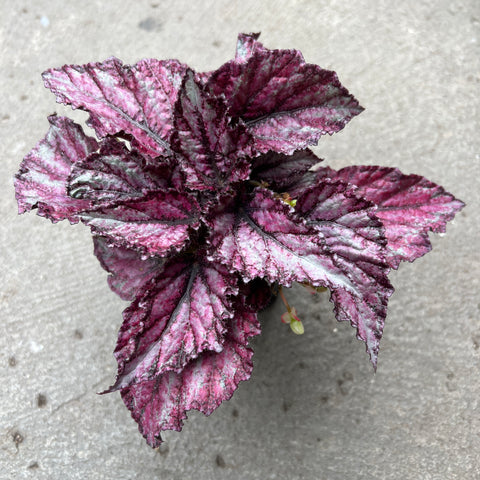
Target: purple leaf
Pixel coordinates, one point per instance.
(107, 191)
(336, 211)
(42, 180)
(409, 206)
(129, 272)
(279, 171)
(136, 99)
(286, 103)
(175, 318)
(157, 224)
(161, 403)
(267, 239)
(212, 152)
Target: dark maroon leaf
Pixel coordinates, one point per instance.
(173, 320)
(257, 294)
(267, 239)
(116, 173)
(279, 171)
(306, 181)
(212, 151)
(129, 271)
(286, 103)
(161, 403)
(409, 206)
(136, 99)
(42, 180)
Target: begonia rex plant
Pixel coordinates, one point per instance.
(201, 197)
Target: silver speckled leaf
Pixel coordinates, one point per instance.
(176, 317)
(161, 403)
(267, 239)
(42, 180)
(409, 206)
(287, 104)
(136, 99)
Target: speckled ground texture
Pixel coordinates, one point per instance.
(314, 409)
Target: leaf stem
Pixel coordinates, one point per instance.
(282, 296)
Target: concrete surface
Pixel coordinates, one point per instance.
(314, 408)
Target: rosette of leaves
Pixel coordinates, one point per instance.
(201, 198)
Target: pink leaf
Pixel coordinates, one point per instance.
(246, 45)
(175, 318)
(157, 223)
(286, 103)
(266, 239)
(409, 206)
(42, 180)
(136, 99)
(212, 152)
(161, 403)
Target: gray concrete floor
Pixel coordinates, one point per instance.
(314, 408)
